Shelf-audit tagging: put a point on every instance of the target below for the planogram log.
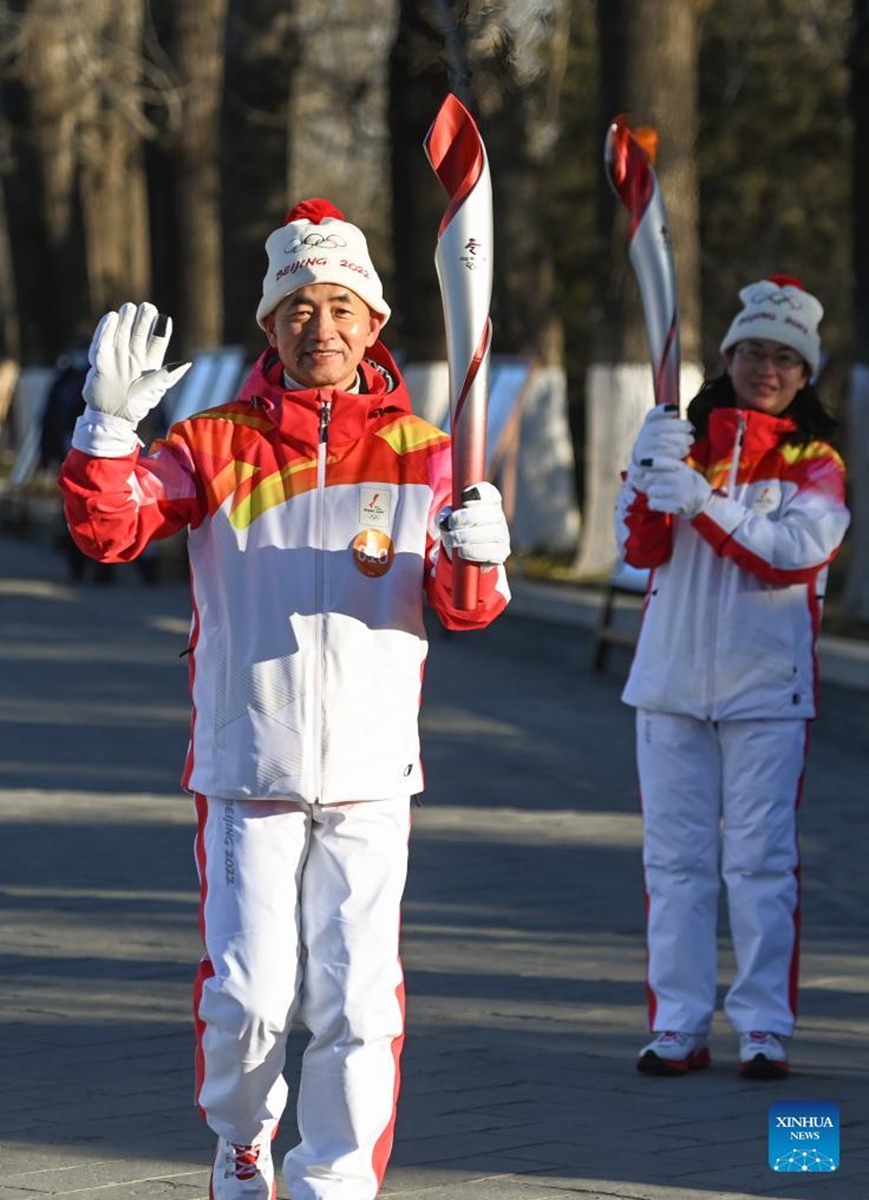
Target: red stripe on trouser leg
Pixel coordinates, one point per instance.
(794, 973)
(651, 998)
(383, 1148)
(205, 971)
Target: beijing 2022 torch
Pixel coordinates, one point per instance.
(628, 159)
(463, 259)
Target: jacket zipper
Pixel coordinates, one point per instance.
(319, 593)
(737, 455)
(731, 490)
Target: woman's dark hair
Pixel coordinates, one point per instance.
(813, 422)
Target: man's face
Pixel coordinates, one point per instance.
(321, 333)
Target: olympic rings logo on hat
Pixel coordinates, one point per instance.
(329, 241)
(776, 297)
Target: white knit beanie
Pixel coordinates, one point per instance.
(316, 245)
(779, 309)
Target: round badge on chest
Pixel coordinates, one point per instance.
(373, 552)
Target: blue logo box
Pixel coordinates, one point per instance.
(804, 1137)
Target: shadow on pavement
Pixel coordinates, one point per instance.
(522, 933)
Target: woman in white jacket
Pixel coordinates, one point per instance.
(737, 512)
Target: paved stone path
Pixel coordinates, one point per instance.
(522, 932)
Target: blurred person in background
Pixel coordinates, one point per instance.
(62, 410)
(63, 403)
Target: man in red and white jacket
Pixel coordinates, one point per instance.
(318, 514)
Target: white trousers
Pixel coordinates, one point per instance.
(300, 919)
(719, 801)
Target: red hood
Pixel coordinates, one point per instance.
(297, 413)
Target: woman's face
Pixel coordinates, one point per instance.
(765, 375)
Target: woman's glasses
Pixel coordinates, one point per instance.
(782, 360)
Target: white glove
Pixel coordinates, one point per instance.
(663, 434)
(478, 530)
(674, 487)
(127, 377)
(639, 477)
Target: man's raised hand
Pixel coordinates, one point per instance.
(127, 377)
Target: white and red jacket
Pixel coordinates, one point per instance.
(313, 541)
(733, 607)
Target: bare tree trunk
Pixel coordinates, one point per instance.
(47, 81)
(506, 62)
(339, 95)
(418, 84)
(856, 601)
(516, 55)
(518, 59)
(113, 186)
(196, 44)
(261, 59)
(642, 42)
(10, 331)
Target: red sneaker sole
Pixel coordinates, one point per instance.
(652, 1064)
(762, 1067)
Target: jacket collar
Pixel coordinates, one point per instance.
(298, 414)
(761, 432)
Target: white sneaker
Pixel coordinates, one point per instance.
(673, 1053)
(243, 1172)
(762, 1056)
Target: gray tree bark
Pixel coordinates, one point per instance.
(46, 80)
(519, 52)
(196, 45)
(112, 175)
(261, 59)
(339, 97)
